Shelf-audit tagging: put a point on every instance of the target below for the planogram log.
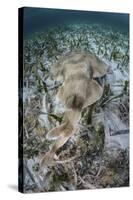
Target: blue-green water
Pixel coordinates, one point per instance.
(40, 19)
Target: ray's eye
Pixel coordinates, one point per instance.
(90, 71)
(63, 72)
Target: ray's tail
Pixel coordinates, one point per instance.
(61, 134)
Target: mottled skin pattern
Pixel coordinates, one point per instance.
(77, 70)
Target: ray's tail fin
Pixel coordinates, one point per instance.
(61, 134)
(56, 132)
(71, 118)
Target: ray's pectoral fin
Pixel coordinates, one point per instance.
(99, 68)
(60, 93)
(95, 92)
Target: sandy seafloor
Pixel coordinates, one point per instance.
(97, 156)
